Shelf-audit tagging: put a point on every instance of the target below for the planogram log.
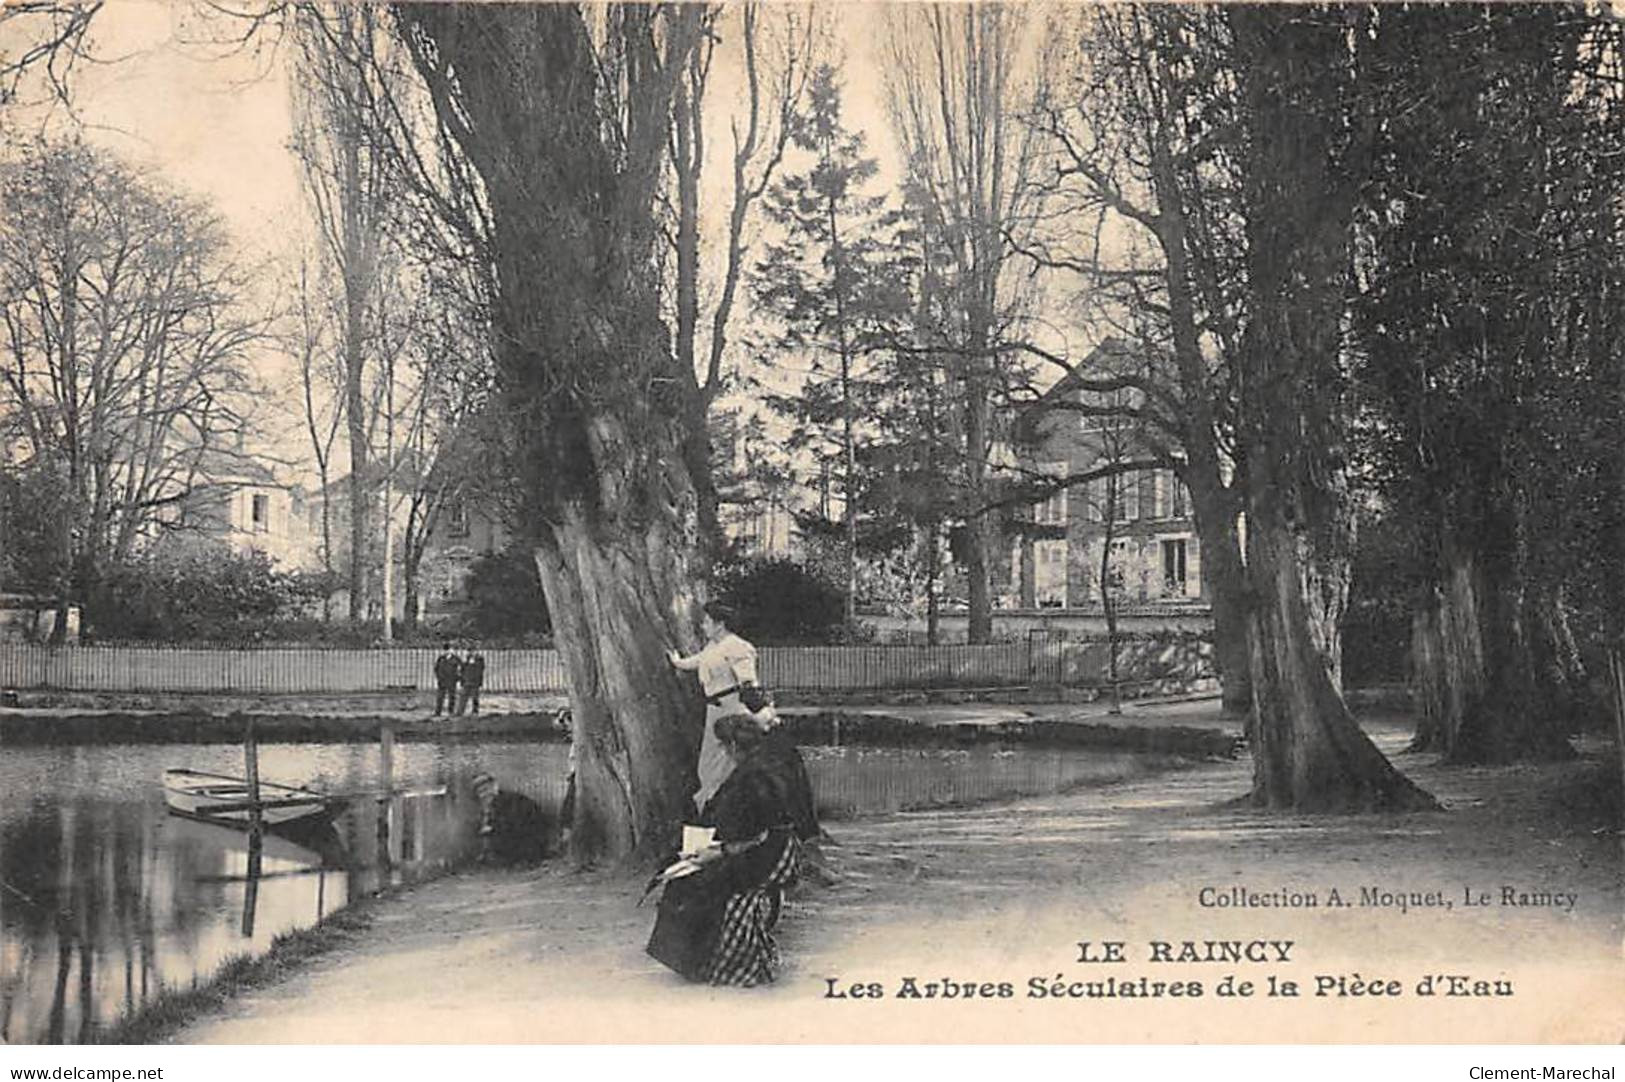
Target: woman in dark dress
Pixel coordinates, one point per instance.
(716, 924)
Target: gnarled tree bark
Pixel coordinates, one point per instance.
(568, 143)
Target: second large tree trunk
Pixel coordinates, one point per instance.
(1225, 578)
(1308, 754)
(1494, 673)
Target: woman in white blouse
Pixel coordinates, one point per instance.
(725, 664)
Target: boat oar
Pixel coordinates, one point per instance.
(381, 794)
(263, 875)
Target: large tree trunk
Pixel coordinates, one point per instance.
(603, 407)
(637, 737)
(1308, 753)
(1494, 676)
(1227, 594)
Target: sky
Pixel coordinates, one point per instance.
(213, 121)
(216, 122)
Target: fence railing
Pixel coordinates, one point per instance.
(1036, 662)
(268, 671)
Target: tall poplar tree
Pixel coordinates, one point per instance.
(824, 281)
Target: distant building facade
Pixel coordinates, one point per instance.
(463, 534)
(464, 531)
(1145, 516)
(239, 502)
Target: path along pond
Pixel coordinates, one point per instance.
(106, 900)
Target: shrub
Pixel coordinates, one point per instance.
(36, 513)
(778, 602)
(505, 597)
(190, 593)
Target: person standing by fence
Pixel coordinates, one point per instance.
(447, 670)
(726, 665)
(473, 677)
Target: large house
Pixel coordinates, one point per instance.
(1143, 514)
(464, 531)
(238, 501)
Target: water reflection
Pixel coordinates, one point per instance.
(106, 899)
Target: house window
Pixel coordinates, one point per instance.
(1180, 499)
(1162, 495)
(1173, 566)
(1052, 511)
(1124, 398)
(1128, 497)
(260, 512)
(1049, 574)
(457, 519)
(1094, 498)
(1117, 555)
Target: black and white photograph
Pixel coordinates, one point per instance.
(826, 523)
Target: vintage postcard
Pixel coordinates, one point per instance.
(813, 523)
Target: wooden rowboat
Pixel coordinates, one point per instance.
(286, 846)
(220, 798)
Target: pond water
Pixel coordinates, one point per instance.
(106, 899)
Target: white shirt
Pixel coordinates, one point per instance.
(727, 663)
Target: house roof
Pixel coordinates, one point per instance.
(220, 465)
(1108, 356)
(407, 467)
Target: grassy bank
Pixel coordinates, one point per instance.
(174, 1009)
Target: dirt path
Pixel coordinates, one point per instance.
(1004, 894)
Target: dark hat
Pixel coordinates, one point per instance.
(739, 729)
(720, 611)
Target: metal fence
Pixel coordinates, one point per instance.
(267, 671)
(1037, 661)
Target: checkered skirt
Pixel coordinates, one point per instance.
(745, 953)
